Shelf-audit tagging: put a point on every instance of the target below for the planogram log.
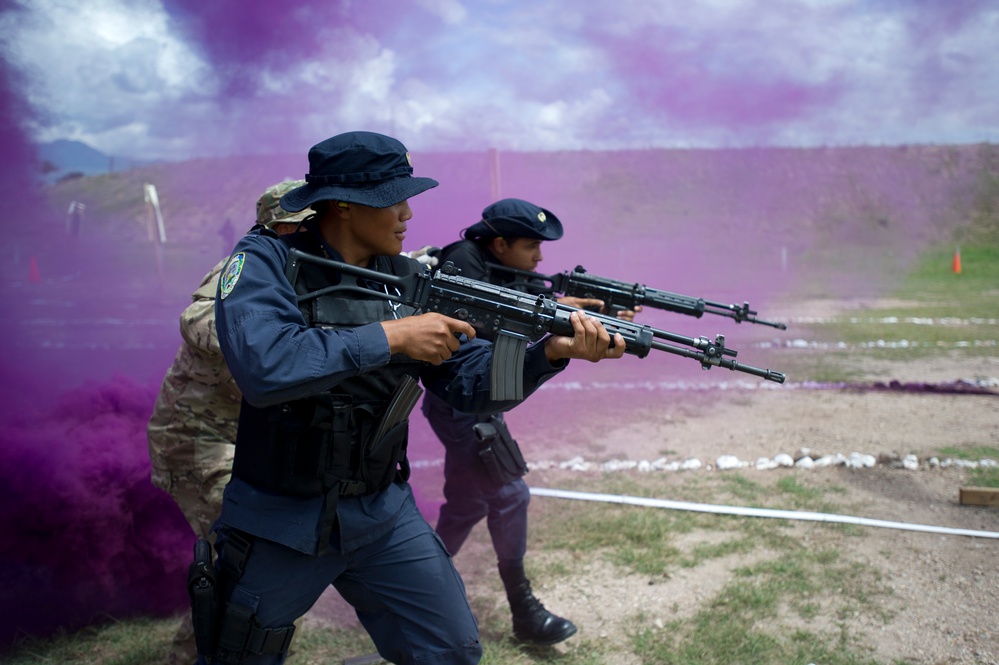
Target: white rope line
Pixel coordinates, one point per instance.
(756, 512)
(649, 385)
(874, 344)
(892, 320)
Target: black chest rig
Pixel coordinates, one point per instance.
(351, 440)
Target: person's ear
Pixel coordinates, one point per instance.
(499, 246)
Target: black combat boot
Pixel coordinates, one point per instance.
(531, 621)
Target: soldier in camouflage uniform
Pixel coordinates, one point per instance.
(193, 426)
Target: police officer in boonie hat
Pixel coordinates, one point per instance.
(314, 499)
(358, 167)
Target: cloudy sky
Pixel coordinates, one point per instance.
(173, 79)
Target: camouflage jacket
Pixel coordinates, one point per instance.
(193, 426)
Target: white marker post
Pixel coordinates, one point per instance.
(157, 231)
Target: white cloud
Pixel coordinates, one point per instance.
(453, 12)
(563, 74)
(93, 67)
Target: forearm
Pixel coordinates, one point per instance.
(272, 364)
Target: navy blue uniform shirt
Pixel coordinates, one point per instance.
(275, 357)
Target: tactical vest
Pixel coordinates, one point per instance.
(325, 444)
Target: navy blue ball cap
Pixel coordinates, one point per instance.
(515, 218)
(358, 167)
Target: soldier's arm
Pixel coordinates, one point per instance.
(197, 321)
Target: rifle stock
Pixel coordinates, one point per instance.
(511, 319)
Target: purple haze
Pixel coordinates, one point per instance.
(91, 341)
(84, 532)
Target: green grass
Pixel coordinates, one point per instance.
(138, 641)
(971, 452)
(762, 616)
(981, 477)
(933, 278)
(144, 640)
(931, 291)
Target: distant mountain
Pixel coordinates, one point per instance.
(67, 157)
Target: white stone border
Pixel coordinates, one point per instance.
(854, 460)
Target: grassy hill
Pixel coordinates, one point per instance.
(823, 220)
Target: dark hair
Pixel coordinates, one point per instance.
(483, 241)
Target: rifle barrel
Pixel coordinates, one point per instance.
(727, 363)
(740, 313)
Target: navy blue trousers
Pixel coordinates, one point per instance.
(470, 495)
(404, 588)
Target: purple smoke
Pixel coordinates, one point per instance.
(85, 533)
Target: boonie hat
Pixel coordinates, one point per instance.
(269, 211)
(515, 218)
(358, 167)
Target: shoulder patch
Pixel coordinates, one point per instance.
(227, 282)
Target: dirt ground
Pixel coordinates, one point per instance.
(945, 588)
(943, 605)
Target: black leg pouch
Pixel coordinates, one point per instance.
(500, 455)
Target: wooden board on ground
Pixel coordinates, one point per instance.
(979, 496)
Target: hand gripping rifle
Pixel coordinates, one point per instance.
(619, 296)
(511, 319)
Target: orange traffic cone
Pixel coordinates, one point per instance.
(34, 276)
(956, 264)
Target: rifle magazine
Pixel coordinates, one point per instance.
(404, 399)
(507, 373)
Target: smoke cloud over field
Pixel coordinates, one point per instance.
(575, 106)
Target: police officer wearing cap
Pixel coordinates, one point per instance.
(313, 499)
(509, 235)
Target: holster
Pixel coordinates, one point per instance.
(238, 634)
(500, 455)
(203, 589)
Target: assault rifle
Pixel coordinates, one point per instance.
(509, 318)
(618, 296)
